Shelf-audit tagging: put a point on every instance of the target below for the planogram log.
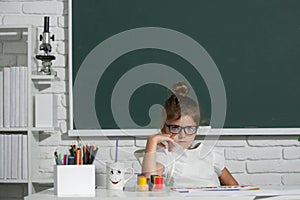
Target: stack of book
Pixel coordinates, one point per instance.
(13, 96)
(13, 156)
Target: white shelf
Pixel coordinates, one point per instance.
(43, 77)
(12, 181)
(36, 83)
(13, 129)
(45, 129)
(42, 180)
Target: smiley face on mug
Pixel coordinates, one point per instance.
(116, 176)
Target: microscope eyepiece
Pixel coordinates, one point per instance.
(46, 24)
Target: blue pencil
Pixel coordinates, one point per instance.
(117, 143)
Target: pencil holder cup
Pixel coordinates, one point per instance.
(115, 175)
(74, 180)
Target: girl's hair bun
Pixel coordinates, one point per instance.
(181, 89)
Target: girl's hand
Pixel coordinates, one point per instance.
(162, 139)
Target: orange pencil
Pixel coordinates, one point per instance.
(78, 156)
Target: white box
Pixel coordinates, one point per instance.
(74, 180)
(45, 110)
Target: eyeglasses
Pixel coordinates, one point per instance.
(175, 129)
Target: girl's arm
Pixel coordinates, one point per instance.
(150, 166)
(227, 179)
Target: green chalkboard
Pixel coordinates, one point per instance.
(254, 45)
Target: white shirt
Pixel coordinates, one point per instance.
(191, 168)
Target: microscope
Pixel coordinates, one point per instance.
(46, 59)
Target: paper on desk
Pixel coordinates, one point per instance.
(217, 191)
(220, 188)
(235, 192)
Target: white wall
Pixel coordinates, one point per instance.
(258, 160)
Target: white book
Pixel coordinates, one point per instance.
(14, 156)
(20, 153)
(2, 156)
(17, 96)
(45, 110)
(1, 96)
(25, 158)
(7, 157)
(22, 86)
(26, 97)
(12, 96)
(6, 96)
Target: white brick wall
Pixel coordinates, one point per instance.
(291, 179)
(235, 167)
(250, 153)
(10, 8)
(254, 160)
(280, 166)
(232, 141)
(43, 7)
(271, 141)
(259, 179)
(291, 153)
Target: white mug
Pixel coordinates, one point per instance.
(115, 175)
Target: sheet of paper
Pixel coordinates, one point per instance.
(221, 188)
(236, 191)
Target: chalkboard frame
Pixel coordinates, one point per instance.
(146, 132)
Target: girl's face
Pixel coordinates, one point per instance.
(183, 139)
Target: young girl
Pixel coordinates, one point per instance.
(186, 168)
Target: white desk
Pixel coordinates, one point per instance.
(269, 194)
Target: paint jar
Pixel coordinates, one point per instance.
(142, 184)
(151, 181)
(158, 184)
